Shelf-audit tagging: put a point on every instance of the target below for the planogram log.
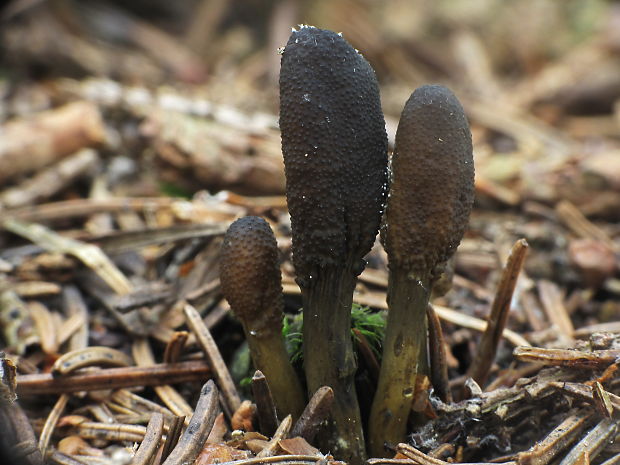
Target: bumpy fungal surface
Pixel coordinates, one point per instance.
(250, 275)
(432, 185)
(335, 150)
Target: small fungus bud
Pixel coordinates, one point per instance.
(250, 275)
(252, 284)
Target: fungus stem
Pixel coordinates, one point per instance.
(327, 317)
(269, 353)
(252, 284)
(404, 359)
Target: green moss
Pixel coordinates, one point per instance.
(368, 322)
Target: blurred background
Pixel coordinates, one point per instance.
(535, 76)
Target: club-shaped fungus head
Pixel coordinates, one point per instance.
(250, 275)
(432, 183)
(335, 151)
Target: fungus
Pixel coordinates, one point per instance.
(335, 156)
(252, 284)
(431, 196)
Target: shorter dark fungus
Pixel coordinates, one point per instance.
(252, 284)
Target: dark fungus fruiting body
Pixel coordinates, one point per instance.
(335, 157)
(252, 284)
(431, 195)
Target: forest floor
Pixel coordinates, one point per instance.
(130, 139)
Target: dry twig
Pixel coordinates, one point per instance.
(265, 408)
(212, 353)
(570, 358)
(113, 378)
(149, 445)
(194, 437)
(481, 364)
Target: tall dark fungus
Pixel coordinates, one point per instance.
(431, 196)
(252, 284)
(335, 156)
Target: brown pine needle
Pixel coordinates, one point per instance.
(213, 355)
(150, 443)
(265, 408)
(193, 439)
(481, 364)
(113, 378)
(437, 356)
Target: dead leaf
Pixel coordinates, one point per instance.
(297, 446)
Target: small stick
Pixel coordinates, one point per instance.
(78, 208)
(33, 289)
(615, 460)
(554, 307)
(133, 402)
(90, 356)
(105, 413)
(533, 311)
(367, 354)
(602, 400)
(586, 331)
(443, 450)
(569, 358)
(580, 225)
(69, 327)
(423, 459)
(543, 452)
(592, 443)
(113, 378)
(281, 433)
(281, 459)
(487, 349)
(193, 439)
(143, 356)
(608, 374)
(172, 438)
(214, 357)
(391, 462)
(89, 254)
(111, 431)
(51, 180)
(64, 459)
(43, 322)
(470, 322)
(265, 408)
(51, 421)
(437, 356)
(314, 414)
(175, 346)
(218, 431)
(126, 241)
(585, 392)
(150, 443)
(74, 304)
